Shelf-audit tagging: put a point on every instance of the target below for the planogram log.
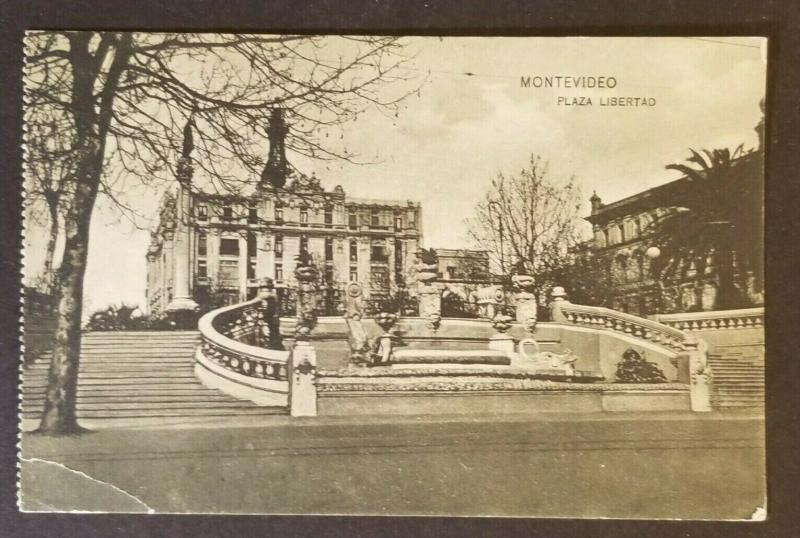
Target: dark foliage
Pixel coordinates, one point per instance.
(123, 318)
(634, 368)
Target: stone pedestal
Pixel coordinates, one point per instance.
(699, 374)
(502, 342)
(526, 309)
(559, 299)
(182, 308)
(302, 389)
(430, 301)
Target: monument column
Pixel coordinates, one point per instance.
(182, 307)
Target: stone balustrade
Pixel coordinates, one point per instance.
(716, 320)
(635, 326)
(234, 359)
(666, 336)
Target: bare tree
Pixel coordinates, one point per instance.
(48, 177)
(127, 96)
(529, 224)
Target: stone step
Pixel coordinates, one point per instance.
(151, 400)
(171, 413)
(160, 369)
(131, 390)
(116, 405)
(133, 381)
(722, 391)
(739, 398)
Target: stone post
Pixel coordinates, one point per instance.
(559, 297)
(502, 341)
(430, 300)
(302, 386)
(525, 301)
(699, 374)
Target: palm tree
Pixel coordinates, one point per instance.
(716, 221)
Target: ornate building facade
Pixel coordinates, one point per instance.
(221, 245)
(623, 237)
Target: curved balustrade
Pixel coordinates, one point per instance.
(233, 352)
(635, 326)
(745, 318)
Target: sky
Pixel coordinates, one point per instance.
(472, 119)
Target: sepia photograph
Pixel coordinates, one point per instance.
(393, 275)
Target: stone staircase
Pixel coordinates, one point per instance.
(139, 378)
(738, 374)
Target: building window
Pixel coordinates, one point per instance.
(303, 215)
(202, 244)
(412, 219)
(229, 273)
(227, 212)
(251, 245)
(379, 279)
(278, 271)
(375, 218)
(251, 268)
(202, 269)
(328, 216)
(279, 246)
(621, 229)
(353, 274)
(352, 219)
(202, 212)
(353, 251)
(303, 243)
(252, 212)
(229, 247)
(329, 249)
(329, 275)
(398, 223)
(378, 254)
(638, 226)
(605, 237)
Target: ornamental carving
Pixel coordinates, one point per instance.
(502, 323)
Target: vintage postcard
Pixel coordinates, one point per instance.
(387, 275)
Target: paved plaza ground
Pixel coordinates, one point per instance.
(708, 466)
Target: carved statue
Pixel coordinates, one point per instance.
(268, 311)
(306, 274)
(547, 360)
(427, 265)
(360, 345)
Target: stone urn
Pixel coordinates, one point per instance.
(386, 321)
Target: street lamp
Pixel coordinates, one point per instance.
(653, 252)
(494, 203)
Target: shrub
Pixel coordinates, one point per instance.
(126, 318)
(633, 368)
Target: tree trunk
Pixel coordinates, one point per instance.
(59, 410)
(52, 239)
(727, 293)
(92, 124)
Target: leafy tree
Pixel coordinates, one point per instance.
(530, 222)
(717, 222)
(122, 100)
